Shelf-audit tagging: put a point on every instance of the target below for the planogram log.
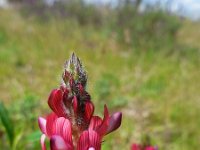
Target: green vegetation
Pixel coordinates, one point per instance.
(153, 80)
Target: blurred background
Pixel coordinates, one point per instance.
(142, 58)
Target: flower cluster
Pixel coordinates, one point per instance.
(72, 125)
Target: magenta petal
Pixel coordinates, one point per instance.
(104, 126)
(83, 142)
(42, 141)
(89, 140)
(89, 110)
(95, 140)
(114, 122)
(56, 103)
(95, 123)
(136, 147)
(62, 127)
(49, 123)
(42, 124)
(58, 143)
(150, 148)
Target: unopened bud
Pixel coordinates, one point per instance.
(74, 70)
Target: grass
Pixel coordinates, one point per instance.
(158, 92)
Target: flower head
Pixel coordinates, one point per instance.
(72, 125)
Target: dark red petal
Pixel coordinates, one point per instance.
(95, 123)
(75, 104)
(114, 122)
(42, 141)
(58, 143)
(42, 124)
(89, 139)
(104, 126)
(55, 102)
(89, 110)
(49, 123)
(80, 88)
(62, 127)
(66, 99)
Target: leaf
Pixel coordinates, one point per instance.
(17, 139)
(7, 123)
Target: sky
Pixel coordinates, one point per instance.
(189, 8)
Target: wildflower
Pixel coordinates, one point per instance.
(143, 147)
(72, 124)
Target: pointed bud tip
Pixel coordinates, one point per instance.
(73, 69)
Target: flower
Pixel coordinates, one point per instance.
(142, 147)
(72, 124)
(59, 131)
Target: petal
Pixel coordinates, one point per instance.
(83, 142)
(88, 140)
(49, 123)
(89, 110)
(114, 122)
(58, 143)
(62, 127)
(75, 104)
(104, 126)
(136, 147)
(95, 140)
(150, 148)
(81, 89)
(95, 123)
(67, 100)
(42, 124)
(55, 102)
(42, 141)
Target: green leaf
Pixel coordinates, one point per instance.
(7, 123)
(17, 139)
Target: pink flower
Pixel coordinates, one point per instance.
(141, 147)
(59, 131)
(72, 124)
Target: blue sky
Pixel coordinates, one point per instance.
(190, 8)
